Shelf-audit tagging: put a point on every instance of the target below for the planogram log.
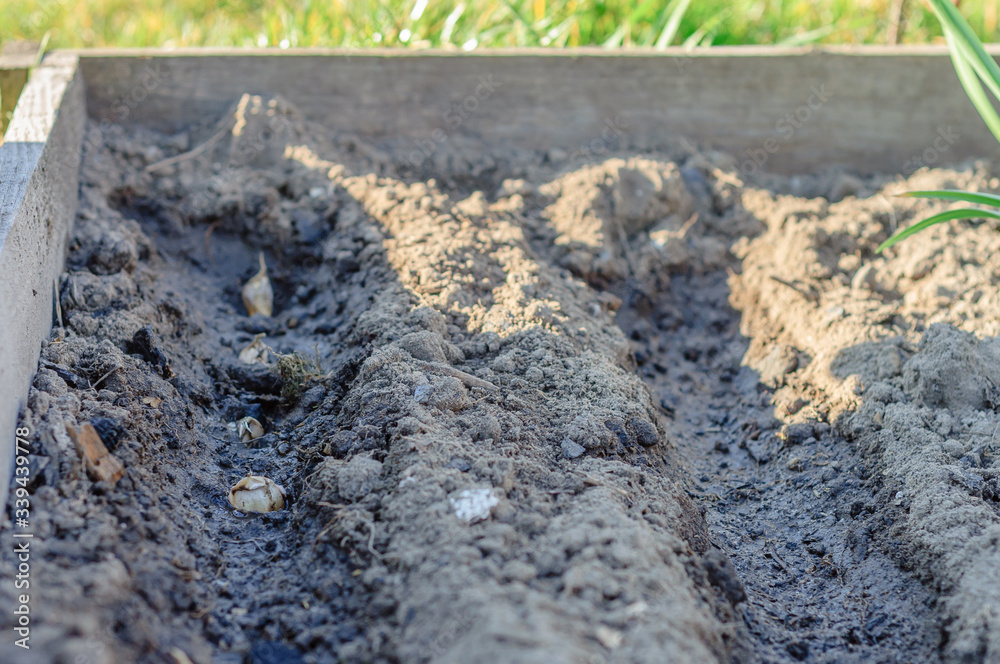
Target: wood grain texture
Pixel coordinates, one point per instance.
(871, 108)
(39, 179)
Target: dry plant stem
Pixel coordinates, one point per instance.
(468, 379)
(104, 377)
(623, 239)
(896, 22)
(687, 226)
(190, 154)
(371, 538)
(100, 464)
(254, 541)
(208, 240)
(340, 511)
(59, 315)
(804, 292)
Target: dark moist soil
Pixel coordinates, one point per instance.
(529, 409)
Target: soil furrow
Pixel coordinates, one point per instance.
(786, 503)
(454, 401)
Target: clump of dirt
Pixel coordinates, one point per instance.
(899, 353)
(785, 500)
(524, 409)
(474, 472)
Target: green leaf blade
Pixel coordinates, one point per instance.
(970, 79)
(973, 64)
(974, 197)
(953, 21)
(949, 215)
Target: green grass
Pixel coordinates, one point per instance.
(473, 23)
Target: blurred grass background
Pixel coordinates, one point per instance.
(470, 24)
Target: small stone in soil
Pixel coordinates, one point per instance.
(459, 464)
(798, 650)
(473, 505)
(796, 406)
(796, 434)
(571, 450)
(645, 433)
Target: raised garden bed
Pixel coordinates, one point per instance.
(573, 358)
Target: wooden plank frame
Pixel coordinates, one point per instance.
(784, 110)
(39, 182)
(778, 109)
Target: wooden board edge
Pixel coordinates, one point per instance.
(39, 182)
(587, 51)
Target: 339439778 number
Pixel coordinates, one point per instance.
(22, 477)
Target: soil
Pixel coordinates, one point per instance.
(525, 408)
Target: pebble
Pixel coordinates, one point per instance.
(460, 464)
(571, 450)
(798, 649)
(645, 433)
(422, 393)
(796, 406)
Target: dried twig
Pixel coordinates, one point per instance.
(208, 240)
(896, 21)
(769, 549)
(104, 377)
(626, 249)
(805, 292)
(190, 154)
(59, 316)
(468, 379)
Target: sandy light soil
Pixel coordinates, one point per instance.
(531, 408)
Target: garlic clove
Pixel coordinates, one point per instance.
(255, 493)
(249, 429)
(256, 352)
(258, 297)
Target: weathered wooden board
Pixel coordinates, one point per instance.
(39, 179)
(874, 108)
(16, 58)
